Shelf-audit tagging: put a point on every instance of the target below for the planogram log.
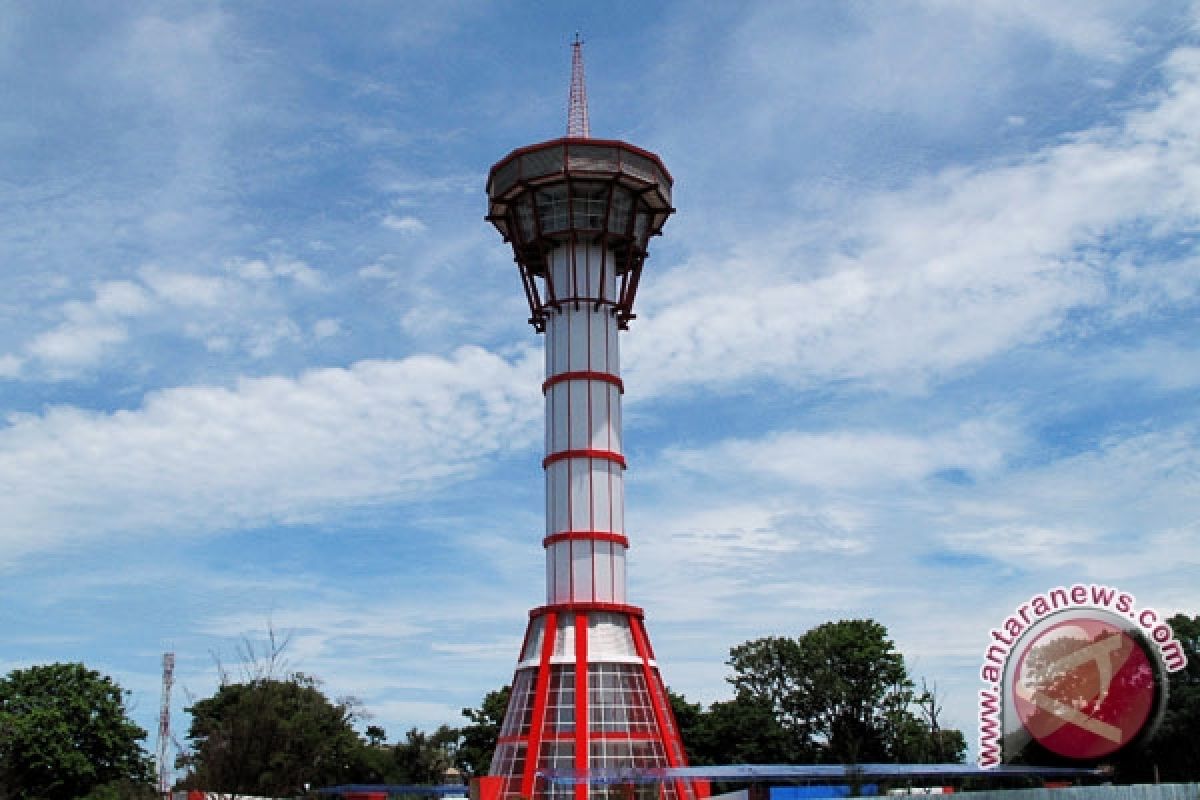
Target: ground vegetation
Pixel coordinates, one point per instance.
(65, 734)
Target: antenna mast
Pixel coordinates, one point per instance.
(577, 105)
(164, 726)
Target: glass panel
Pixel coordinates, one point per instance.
(520, 704)
(509, 761)
(525, 217)
(558, 755)
(639, 229)
(622, 208)
(617, 755)
(588, 204)
(617, 699)
(560, 699)
(552, 208)
(533, 642)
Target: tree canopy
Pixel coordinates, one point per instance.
(1173, 748)
(479, 737)
(271, 736)
(64, 734)
(1171, 754)
(841, 693)
(743, 730)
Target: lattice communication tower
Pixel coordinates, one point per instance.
(164, 726)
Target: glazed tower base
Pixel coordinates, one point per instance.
(623, 718)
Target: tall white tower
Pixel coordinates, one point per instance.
(587, 694)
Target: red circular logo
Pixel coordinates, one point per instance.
(1084, 687)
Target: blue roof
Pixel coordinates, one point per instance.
(807, 772)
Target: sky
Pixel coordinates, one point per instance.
(919, 343)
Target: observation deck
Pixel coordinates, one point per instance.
(579, 191)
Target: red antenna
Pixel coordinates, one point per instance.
(577, 106)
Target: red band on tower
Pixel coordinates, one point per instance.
(583, 375)
(603, 455)
(584, 536)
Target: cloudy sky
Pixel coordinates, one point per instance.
(920, 342)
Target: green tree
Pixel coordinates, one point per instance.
(1172, 755)
(375, 762)
(1174, 746)
(424, 757)
(376, 735)
(743, 730)
(64, 733)
(479, 737)
(271, 736)
(840, 692)
(772, 672)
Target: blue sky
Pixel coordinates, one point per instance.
(919, 343)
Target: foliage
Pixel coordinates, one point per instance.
(421, 758)
(840, 693)
(424, 758)
(1174, 747)
(64, 734)
(271, 736)
(1172, 755)
(376, 735)
(124, 789)
(479, 737)
(743, 730)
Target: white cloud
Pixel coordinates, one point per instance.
(90, 329)
(377, 272)
(324, 328)
(270, 450)
(175, 57)
(1125, 508)
(10, 366)
(226, 312)
(259, 271)
(122, 298)
(948, 272)
(264, 338)
(1098, 30)
(1155, 362)
(188, 289)
(853, 459)
(76, 345)
(939, 563)
(405, 224)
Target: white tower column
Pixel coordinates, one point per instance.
(585, 497)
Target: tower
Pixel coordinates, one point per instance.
(164, 726)
(587, 694)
